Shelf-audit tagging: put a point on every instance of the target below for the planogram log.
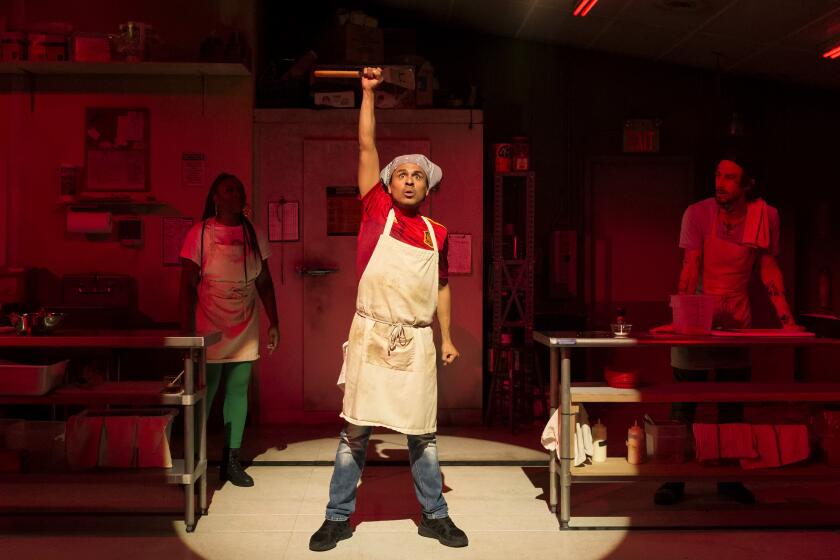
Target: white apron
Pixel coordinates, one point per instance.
(727, 269)
(390, 369)
(225, 301)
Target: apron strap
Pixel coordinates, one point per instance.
(389, 222)
(431, 233)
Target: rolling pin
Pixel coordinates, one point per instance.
(355, 74)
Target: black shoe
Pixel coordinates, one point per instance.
(329, 534)
(231, 469)
(444, 530)
(669, 494)
(737, 492)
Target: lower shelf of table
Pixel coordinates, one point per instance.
(739, 517)
(617, 469)
(174, 475)
(707, 392)
(134, 393)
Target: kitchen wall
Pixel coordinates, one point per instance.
(45, 129)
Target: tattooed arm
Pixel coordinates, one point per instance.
(690, 273)
(771, 277)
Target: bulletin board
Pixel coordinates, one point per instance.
(117, 152)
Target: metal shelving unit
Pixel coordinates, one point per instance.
(513, 367)
(187, 471)
(617, 469)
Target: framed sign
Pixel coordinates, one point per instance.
(344, 210)
(117, 149)
(641, 136)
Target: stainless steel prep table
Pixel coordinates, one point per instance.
(560, 345)
(187, 471)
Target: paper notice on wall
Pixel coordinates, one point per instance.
(192, 169)
(283, 221)
(175, 229)
(460, 253)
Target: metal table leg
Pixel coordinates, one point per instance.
(566, 456)
(202, 443)
(554, 354)
(189, 443)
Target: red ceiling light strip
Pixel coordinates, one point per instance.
(583, 7)
(832, 53)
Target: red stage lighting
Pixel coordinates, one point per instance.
(832, 53)
(583, 7)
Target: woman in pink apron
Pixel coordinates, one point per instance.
(724, 238)
(224, 269)
(389, 373)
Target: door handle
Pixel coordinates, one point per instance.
(305, 271)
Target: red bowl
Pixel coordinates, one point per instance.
(622, 379)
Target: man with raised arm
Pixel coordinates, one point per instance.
(390, 370)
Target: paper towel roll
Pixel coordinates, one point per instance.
(88, 222)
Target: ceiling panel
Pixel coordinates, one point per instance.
(652, 13)
(765, 21)
(436, 10)
(637, 39)
(498, 17)
(793, 65)
(551, 26)
(701, 49)
(782, 38)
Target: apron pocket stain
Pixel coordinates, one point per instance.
(390, 347)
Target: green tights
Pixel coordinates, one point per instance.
(237, 376)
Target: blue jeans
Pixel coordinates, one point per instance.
(350, 461)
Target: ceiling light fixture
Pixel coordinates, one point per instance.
(832, 53)
(583, 7)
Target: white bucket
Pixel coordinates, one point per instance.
(694, 314)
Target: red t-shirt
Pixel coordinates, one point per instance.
(408, 229)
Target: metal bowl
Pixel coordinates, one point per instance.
(41, 322)
(51, 320)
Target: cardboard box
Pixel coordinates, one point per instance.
(355, 44)
(425, 85)
(42, 47)
(90, 47)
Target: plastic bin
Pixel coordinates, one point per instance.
(30, 379)
(120, 438)
(665, 441)
(41, 444)
(694, 314)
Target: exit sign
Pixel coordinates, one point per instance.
(641, 136)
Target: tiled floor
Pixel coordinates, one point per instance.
(502, 508)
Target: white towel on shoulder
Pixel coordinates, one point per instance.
(757, 225)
